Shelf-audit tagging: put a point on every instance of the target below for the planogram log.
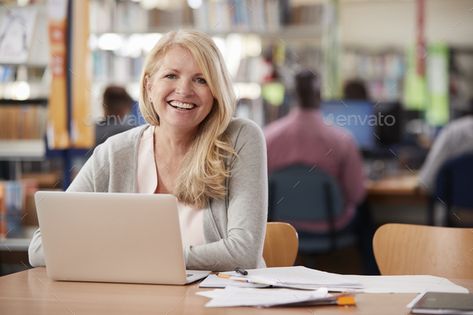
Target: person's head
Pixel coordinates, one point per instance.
(355, 90)
(307, 88)
(185, 85)
(186, 67)
(116, 101)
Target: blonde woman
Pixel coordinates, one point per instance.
(192, 148)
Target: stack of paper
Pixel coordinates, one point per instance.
(406, 284)
(290, 277)
(213, 281)
(310, 279)
(233, 296)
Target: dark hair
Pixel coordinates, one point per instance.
(116, 101)
(355, 90)
(307, 87)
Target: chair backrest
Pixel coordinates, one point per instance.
(280, 245)
(405, 249)
(301, 193)
(454, 180)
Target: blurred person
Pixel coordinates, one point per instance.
(117, 106)
(302, 137)
(192, 148)
(455, 139)
(355, 90)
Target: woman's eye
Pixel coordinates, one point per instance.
(201, 81)
(170, 76)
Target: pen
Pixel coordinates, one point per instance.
(241, 271)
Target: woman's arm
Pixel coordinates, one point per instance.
(242, 246)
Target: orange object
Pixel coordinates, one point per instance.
(346, 300)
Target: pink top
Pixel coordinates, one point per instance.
(191, 220)
(303, 137)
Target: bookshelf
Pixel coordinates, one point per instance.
(24, 79)
(22, 149)
(123, 32)
(382, 71)
(23, 127)
(27, 93)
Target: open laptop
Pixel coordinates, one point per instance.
(112, 237)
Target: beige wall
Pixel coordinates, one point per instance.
(381, 23)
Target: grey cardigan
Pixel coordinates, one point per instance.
(234, 228)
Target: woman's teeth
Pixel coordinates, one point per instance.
(181, 105)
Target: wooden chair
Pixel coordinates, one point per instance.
(280, 244)
(405, 249)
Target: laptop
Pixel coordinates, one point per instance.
(112, 237)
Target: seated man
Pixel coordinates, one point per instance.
(302, 137)
(454, 140)
(117, 106)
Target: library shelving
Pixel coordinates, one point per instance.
(34, 52)
(382, 71)
(122, 32)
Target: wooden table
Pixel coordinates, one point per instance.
(396, 189)
(402, 184)
(400, 192)
(31, 292)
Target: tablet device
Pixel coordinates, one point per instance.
(443, 303)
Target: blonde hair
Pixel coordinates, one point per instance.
(203, 172)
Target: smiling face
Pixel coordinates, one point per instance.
(179, 92)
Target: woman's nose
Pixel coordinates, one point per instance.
(184, 88)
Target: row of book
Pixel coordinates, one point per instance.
(255, 15)
(238, 15)
(10, 73)
(22, 122)
(126, 16)
(383, 72)
(210, 15)
(7, 73)
(16, 200)
(375, 65)
(107, 64)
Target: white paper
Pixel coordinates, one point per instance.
(232, 296)
(211, 294)
(306, 278)
(406, 284)
(300, 277)
(212, 281)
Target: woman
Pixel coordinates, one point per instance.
(192, 148)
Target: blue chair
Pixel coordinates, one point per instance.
(302, 194)
(453, 188)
